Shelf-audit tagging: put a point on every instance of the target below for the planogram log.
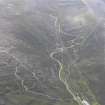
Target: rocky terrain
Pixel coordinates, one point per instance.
(51, 53)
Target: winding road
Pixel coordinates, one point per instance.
(61, 69)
